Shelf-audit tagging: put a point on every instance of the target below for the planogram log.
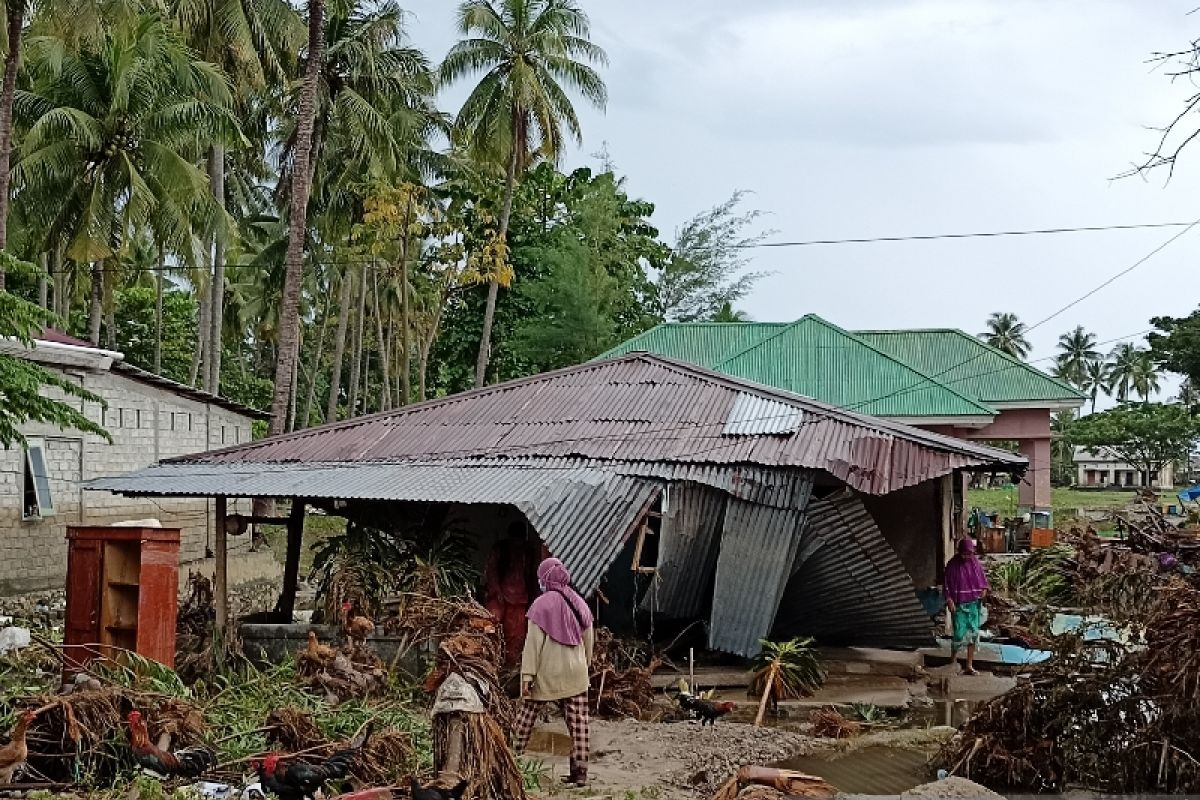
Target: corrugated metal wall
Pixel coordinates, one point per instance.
(687, 550)
(848, 586)
(758, 547)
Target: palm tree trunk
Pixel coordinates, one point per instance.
(289, 317)
(158, 308)
(385, 388)
(489, 310)
(58, 276)
(306, 420)
(405, 313)
(96, 309)
(356, 362)
(216, 178)
(199, 375)
(291, 410)
(339, 346)
(44, 282)
(15, 18)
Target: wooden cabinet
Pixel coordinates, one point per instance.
(122, 593)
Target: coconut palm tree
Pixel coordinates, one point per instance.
(530, 52)
(301, 186)
(1122, 367)
(1187, 396)
(1007, 333)
(251, 41)
(113, 131)
(1145, 376)
(1077, 348)
(1095, 380)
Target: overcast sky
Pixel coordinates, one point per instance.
(851, 118)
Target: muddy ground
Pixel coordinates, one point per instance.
(683, 761)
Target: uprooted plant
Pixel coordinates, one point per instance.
(784, 670)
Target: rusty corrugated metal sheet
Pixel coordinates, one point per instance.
(638, 408)
(583, 515)
(758, 547)
(687, 550)
(848, 585)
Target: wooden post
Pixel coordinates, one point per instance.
(221, 580)
(291, 565)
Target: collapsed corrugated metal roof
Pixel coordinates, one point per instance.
(687, 550)
(758, 546)
(848, 585)
(640, 408)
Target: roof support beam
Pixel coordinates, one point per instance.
(286, 606)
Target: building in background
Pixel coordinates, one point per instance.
(940, 379)
(1101, 468)
(149, 418)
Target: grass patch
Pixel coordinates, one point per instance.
(317, 527)
(1063, 500)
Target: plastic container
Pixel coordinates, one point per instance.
(1041, 537)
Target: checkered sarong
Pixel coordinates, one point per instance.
(574, 710)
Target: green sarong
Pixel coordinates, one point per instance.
(967, 618)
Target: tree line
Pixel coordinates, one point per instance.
(268, 202)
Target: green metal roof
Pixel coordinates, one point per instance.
(705, 344)
(811, 357)
(914, 373)
(971, 366)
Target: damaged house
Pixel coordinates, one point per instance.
(669, 490)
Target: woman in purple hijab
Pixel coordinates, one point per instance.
(965, 587)
(556, 663)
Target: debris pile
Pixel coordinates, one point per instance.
(351, 673)
(1099, 714)
(830, 723)
(621, 687)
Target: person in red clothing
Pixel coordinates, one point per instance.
(507, 584)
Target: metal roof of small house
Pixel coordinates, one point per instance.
(935, 373)
(639, 408)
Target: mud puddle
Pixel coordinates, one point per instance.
(549, 743)
(877, 770)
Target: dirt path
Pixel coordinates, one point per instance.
(667, 761)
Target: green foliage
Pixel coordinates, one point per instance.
(1038, 578)
(792, 664)
(1147, 435)
(22, 383)
(136, 331)
(706, 269)
(1176, 344)
(360, 566)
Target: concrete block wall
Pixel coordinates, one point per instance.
(147, 424)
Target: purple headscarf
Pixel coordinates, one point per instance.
(965, 578)
(552, 611)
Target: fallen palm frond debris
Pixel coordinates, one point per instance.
(351, 673)
(1099, 715)
(830, 722)
(621, 679)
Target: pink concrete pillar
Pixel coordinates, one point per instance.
(1034, 490)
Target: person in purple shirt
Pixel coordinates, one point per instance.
(966, 585)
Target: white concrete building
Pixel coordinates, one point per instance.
(1101, 467)
(149, 418)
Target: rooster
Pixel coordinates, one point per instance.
(436, 792)
(189, 763)
(703, 709)
(299, 781)
(13, 754)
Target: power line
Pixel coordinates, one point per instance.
(972, 235)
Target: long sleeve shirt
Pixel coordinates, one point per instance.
(556, 670)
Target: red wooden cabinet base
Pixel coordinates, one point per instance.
(122, 594)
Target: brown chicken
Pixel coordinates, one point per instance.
(320, 653)
(356, 628)
(189, 763)
(13, 754)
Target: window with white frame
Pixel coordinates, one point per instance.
(36, 499)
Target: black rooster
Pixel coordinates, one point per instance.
(299, 781)
(434, 792)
